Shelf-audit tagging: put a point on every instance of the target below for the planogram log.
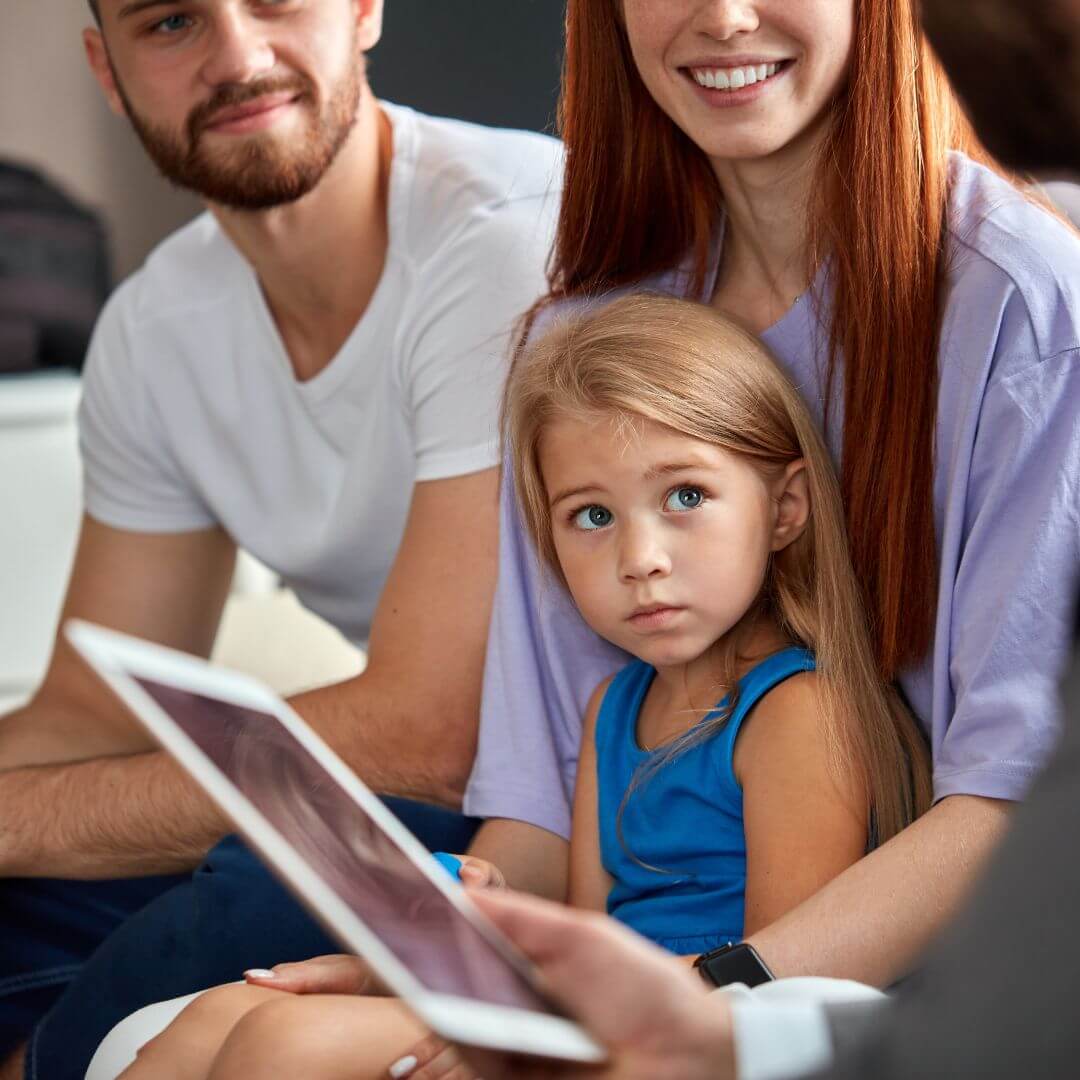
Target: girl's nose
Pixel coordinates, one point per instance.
(642, 556)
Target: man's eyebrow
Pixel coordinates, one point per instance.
(135, 6)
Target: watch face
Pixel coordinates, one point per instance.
(735, 964)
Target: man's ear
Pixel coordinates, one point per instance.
(791, 495)
(97, 56)
(369, 21)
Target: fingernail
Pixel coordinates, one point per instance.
(260, 973)
(403, 1067)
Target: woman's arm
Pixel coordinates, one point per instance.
(872, 921)
(804, 825)
(590, 883)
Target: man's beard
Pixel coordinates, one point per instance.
(260, 172)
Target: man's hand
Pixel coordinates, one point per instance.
(655, 1017)
(339, 973)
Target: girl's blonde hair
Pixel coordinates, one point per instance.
(685, 366)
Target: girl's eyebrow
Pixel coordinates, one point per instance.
(654, 472)
(571, 492)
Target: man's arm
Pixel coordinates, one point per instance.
(903, 893)
(407, 725)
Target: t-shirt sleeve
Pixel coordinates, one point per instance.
(130, 478)
(468, 303)
(543, 663)
(1016, 583)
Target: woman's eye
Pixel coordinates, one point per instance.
(593, 517)
(684, 498)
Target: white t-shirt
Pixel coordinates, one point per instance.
(192, 416)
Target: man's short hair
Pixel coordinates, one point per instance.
(94, 8)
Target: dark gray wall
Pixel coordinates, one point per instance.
(492, 61)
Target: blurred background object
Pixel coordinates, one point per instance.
(490, 61)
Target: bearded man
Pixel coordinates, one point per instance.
(311, 371)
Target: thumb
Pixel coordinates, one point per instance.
(336, 974)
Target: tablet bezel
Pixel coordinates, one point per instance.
(120, 659)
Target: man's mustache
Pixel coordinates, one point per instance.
(230, 95)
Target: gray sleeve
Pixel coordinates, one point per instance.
(996, 996)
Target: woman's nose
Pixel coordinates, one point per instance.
(723, 19)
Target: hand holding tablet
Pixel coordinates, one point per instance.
(341, 851)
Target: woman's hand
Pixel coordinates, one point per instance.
(336, 974)
(655, 1017)
(431, 1059)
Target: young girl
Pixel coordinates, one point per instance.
(672, 479)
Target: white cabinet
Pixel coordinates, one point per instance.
(40, 507)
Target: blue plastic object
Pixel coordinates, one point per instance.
(450, 863)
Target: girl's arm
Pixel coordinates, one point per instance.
(804, 825)
(589, 881)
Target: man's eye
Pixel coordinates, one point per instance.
(593, 517)
(684, 498)
(171, 24)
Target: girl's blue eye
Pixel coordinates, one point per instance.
(591, 518)
(684, 498)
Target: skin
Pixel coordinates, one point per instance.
(85, 793)
(871, 922)
(638, 517)
(763, 150)
(651, 517)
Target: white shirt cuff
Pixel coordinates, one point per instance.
(776, 1041)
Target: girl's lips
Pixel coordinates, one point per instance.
(654, 618)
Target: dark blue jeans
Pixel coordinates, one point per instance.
(85, 955)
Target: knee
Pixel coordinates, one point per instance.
(198, 1031)
(270, 1040)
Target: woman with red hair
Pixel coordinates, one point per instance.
(806, 168)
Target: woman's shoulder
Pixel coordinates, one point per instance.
(1011, 256)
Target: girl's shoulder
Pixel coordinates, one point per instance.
(1012, 259)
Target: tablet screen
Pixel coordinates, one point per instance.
(352, 854)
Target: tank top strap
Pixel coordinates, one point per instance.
(616, 722)
(769, 674)
(753, 686)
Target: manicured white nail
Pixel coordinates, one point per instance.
(403, 1067)
(261, 973)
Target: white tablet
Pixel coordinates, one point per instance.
(360, 872)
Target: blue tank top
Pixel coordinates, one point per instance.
(686, 819)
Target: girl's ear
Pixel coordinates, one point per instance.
(791, 496)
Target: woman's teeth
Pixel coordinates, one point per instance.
(733, 78)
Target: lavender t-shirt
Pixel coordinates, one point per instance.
(1007, 513)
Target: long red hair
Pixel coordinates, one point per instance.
(640, 197)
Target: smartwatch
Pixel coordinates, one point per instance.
(733, 963)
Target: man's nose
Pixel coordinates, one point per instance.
(240, 50)
(642, 554)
